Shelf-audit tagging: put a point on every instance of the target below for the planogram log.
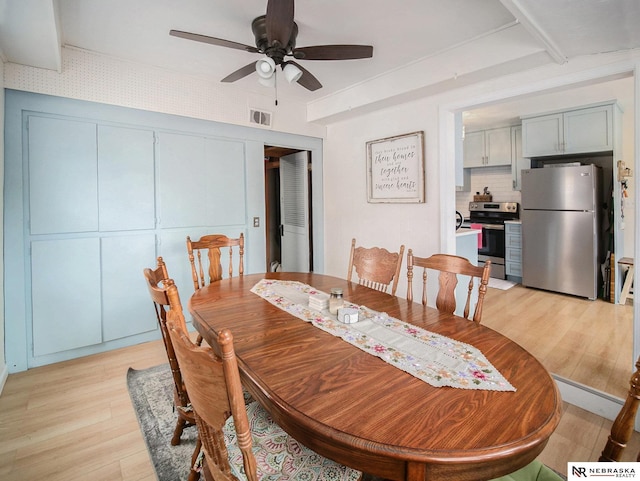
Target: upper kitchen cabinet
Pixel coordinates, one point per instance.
(578, 131)
(487, 148)
(518, 161)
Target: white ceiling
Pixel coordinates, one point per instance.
(402, 33)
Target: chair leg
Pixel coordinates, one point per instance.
(177, 432)
(199, 340)
(193, 474)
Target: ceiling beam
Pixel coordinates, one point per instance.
(30, 33)
(530, 24)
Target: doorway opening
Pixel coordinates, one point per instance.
(590, 397)
(288, 216)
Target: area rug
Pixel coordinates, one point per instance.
(501, 284)
(151, 392)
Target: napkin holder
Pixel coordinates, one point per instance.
(348, 315)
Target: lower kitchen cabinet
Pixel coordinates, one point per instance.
(513, 250)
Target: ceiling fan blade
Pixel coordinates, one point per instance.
(240, 73)
(333, 52)
(213, 41)
(279, 21)
(307, 80)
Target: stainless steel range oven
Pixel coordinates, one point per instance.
(491, 217)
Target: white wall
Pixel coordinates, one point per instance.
(347, 212)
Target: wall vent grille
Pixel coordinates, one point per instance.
(260, 117)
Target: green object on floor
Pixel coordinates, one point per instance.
(534, 471)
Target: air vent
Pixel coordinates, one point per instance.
(260, 117)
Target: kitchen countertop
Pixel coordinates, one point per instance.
(516, 221)
(463, 231)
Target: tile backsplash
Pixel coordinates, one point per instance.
(499, 181)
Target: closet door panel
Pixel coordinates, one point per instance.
(201, 181)
(125, 179)
(127, 308)
(184, 181)
(65, 294)
(63, 188)
(228, 198)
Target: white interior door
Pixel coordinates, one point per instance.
(294, 212)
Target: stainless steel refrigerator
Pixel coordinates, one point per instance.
(561, 218)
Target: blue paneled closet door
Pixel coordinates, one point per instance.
(92, 215)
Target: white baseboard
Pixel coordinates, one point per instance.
(589, 399)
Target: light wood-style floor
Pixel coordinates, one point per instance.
(590, 342)
(74, 420)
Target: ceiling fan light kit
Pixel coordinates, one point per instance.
(275, 37)
(265, 67)
(291, 73)
(267, 81)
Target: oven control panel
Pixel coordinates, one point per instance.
(493, 212)
(509, 207)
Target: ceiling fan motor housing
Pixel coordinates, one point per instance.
(276, 52)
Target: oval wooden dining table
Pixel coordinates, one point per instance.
(357, 409)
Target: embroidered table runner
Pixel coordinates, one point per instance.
(435, 359)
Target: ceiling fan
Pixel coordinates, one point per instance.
(275, 36)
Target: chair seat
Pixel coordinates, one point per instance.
(278, 455)
(534, 471)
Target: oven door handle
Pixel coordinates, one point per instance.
(493, 226)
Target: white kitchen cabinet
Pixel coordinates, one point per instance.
(576, 131)
(518, 162)
(487, 148)
(513, 250)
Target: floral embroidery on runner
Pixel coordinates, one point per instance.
(433, 358)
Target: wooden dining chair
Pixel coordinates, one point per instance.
(375, 267)
(623, 426)
(156, 283)
(450, 268)
(212, 244)
(238, 440)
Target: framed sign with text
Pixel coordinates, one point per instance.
(395, 169)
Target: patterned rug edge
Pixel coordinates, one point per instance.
(151, 393)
